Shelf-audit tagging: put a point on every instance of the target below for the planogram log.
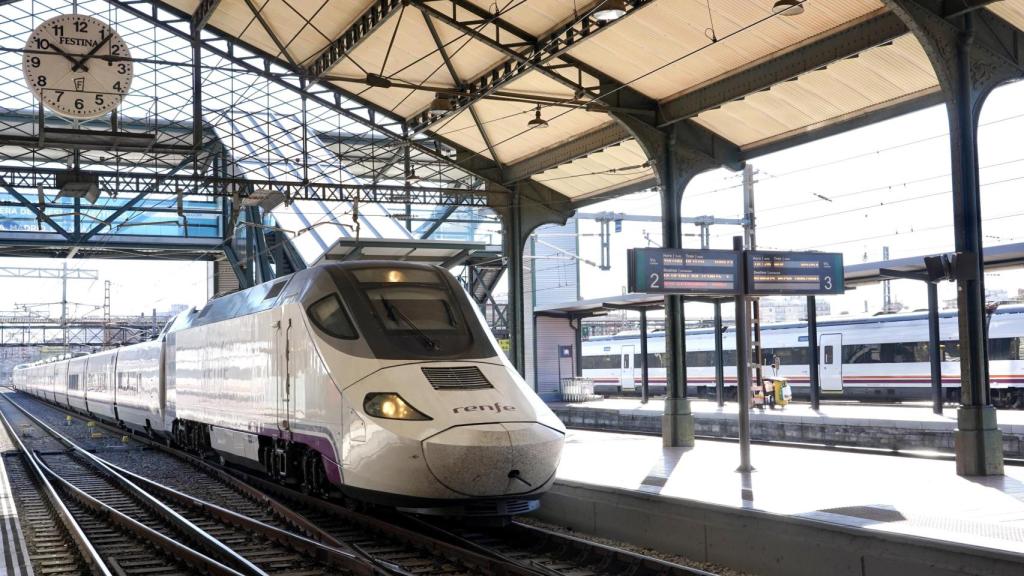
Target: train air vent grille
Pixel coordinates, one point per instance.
(468, 378)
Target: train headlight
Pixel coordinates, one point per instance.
(391, 406)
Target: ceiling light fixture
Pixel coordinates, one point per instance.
(788, 7)
(411, 177)
(440, 104)
(610, 10)
(537, 121)
(377, 81)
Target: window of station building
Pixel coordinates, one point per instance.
(602, 362)
(329, 316)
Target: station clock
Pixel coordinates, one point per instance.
(77, 66)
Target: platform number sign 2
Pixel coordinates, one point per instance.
(77, 66)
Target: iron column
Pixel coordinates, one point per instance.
(719, 357)
(644, 386)
(934, 350)
(812, 352)
(743, 368)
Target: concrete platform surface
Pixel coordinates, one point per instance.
(906, 427)
(14, 553)
(875, 493)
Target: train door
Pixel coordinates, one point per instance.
(830, 362)
(284, 381)
(626, 379)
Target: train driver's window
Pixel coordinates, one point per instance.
(329, 316)
(829, 354)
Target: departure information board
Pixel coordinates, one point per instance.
(680, 271)
(793, 273)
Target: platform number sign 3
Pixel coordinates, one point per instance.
(77, 65)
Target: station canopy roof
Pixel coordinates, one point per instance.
(758, 80)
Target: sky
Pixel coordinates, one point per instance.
(883, 185)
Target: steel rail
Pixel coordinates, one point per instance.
(335, 552)
(217, 548)
(85, 547)
(442, 543)
(326, 554)
(168, 545)
(259, 489)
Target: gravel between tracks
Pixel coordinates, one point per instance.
(675, 559)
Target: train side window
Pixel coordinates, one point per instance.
(829, 354)
(1004, 349)
(602, 362)
(951, 351)
(329, 315)
(862, 354)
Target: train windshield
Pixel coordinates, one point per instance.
(417, 313)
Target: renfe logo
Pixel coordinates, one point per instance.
(497, 407)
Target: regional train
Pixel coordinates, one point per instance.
(873, 358)
(375, 379)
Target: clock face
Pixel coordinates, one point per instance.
(77, 66)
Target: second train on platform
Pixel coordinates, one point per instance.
(882, 357)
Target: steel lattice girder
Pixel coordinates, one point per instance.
(192, 185)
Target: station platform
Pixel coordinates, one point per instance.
(800, 512)
(890, 427)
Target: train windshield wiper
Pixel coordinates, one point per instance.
(394, 311)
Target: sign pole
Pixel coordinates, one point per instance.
(743, 369)
(812, 352)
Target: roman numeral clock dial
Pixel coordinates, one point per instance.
(77, 66)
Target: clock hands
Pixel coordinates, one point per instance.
(91, 53)
(69, 57)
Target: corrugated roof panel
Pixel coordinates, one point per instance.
(470, 57)
(1010, 10)
(327, 19)
(610, 168)
(462, 130)
(513, 139)
(878, 75)
(533, 16)
(661, 32)
(183, 5)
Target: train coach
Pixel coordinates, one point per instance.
(375, 379)
(874, 358)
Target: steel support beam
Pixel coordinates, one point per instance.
(528, 207)
(537, 53)
(583, 145)
(972, 53)
(202, 14)
(368, 22)
(677, 154)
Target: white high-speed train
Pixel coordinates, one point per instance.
(377, 378)
(873, 358)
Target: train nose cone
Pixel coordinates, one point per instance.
(494, 459)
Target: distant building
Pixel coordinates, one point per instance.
(789, 309)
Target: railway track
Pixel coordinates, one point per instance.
(389, 542)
